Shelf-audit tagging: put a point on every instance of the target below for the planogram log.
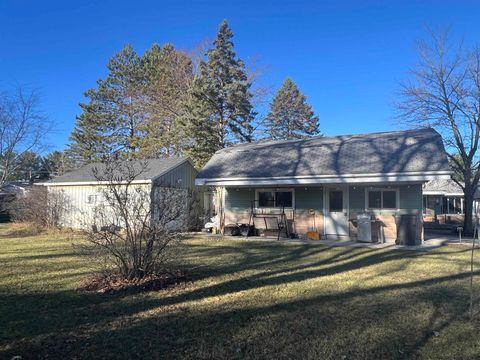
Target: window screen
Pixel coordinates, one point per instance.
(283, 198)
(389, 199)
(374, 199)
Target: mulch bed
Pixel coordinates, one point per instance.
(114, 283)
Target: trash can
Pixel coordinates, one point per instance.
(364, 228)
(408, 230)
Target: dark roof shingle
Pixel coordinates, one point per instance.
(154, 168)
(376, 153)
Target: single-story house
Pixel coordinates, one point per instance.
(328, 184)
(443, 202)
(83, 190)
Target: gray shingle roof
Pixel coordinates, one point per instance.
(154, 168)
(443, 186)
(376, 153)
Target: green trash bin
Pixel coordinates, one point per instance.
(408, 230)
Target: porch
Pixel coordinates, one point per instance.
(332, 210)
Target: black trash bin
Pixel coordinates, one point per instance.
(408, 230)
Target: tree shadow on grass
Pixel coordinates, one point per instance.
(69, 323)
(368, 324)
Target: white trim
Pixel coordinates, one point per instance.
(79, 183)
(327, 179)
(326, 205)
(455, 194)
(433, 192)
(382, 189)
(440, 193)
(292, 190)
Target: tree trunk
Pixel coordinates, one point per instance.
(468, 209)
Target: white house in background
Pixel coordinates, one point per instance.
(84, 192)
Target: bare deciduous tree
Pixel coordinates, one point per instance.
(135, 232)
(444, 93)
(22, 127)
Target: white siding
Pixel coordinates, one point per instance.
(80, 212)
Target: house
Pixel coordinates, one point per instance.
(443, 202)
(8, 193)
(84, 192)
(326, 183)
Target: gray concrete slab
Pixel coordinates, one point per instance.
(431, 244)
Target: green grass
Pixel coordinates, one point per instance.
(249, 300)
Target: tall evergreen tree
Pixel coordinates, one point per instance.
(219, 112)
(290, 116)
(110, 122)
(169, 77)
(56, 163)
(28, 166)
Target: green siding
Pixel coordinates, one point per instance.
(309, 198)
(411, 198)
(312, 198)
(184, 172)
(239, 199)
(356, 195)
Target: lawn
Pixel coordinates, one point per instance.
(248, 300)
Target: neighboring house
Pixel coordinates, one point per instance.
(84, 192)
(326, 182)
(9, 192)
(443, 202)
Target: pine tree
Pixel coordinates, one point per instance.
(169, 77)
(290, 116)
(56, 163)
(110, 121)
(219, 112)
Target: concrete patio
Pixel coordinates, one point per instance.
(431, 242)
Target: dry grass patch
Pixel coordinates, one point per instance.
(248, 300)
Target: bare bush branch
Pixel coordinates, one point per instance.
(136, 226)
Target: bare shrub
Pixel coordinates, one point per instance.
(130, 231)
(40, 207)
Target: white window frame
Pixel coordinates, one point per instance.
(257, 205)
(382, 189)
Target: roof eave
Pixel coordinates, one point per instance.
(92, 183)
(327, 179)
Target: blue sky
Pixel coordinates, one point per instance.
(346, 56)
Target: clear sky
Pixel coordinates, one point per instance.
(346, 56)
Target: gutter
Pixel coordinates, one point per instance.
(86, 183)
(327, 179)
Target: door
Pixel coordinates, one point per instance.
(336, 212)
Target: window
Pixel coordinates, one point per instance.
(93, 199)
(389, 200)
(275, 198)
(335, 201)
(382, 199)
(283, 198)
(374, 199)
(266, 199)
